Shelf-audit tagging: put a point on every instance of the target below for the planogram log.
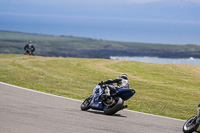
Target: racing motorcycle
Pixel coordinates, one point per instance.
(103, 99)
(191, 125)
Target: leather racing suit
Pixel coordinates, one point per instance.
(121, 83)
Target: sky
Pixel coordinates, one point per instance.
(151, 21)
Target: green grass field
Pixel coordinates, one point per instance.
(167, 90)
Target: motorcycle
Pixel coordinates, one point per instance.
(28, 52)
(103, 99)
(191, 125)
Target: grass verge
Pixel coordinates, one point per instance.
(167, 90)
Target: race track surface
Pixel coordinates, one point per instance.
(26, 111)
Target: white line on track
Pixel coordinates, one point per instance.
(82, 101)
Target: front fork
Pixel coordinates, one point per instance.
(198, 120)
(198, 115)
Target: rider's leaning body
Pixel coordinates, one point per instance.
(122, 82)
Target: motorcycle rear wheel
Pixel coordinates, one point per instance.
(189, 126)
(112, 110)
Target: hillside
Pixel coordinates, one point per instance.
(68, 46)
(167, 90)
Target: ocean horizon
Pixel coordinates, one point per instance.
(188, 61)
(105, 29)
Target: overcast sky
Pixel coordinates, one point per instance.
(157, 21)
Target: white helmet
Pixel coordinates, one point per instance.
(30, 42)
(124, 76)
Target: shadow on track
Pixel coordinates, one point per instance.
(101, 113)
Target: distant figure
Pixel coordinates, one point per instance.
(29, 48)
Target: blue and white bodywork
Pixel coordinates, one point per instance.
(96, 103)
(111, 103)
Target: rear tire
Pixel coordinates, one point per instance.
(85, 105)
(112, 110)
(188, 126)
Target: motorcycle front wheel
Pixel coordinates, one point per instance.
(190, 125)
(116, 107)
(85, 105)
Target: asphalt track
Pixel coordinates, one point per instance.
(26, 111)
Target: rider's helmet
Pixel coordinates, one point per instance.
(124, 76)
(30, 42)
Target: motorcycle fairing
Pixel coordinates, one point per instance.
(125, 94)
(95, 104)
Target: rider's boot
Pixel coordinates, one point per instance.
(107, 92)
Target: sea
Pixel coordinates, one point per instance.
(105, 29)
(188, 61)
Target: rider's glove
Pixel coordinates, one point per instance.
(101, 83)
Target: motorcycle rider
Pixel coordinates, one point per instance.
(122, 82)
(30, 47)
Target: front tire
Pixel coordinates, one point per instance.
(112, 110)
(85, 105)
(190, 125)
